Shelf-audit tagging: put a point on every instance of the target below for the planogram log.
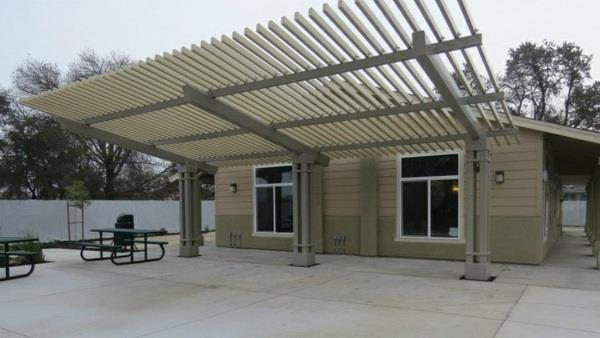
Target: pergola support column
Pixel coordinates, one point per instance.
(190, 236)
(304, 255)
(593, 205)
(477, 229)
(589, 188)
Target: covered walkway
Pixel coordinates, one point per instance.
(572, 250)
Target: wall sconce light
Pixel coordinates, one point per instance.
(233, 187)
(500, 176)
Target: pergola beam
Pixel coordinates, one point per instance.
(373, 61)
(199, 137)
(405, 109)
(426, 106)
(351, 146)
(413, 141)
(87, 131)
(446, 86)
(135, 111)
(394, 143)
(357, 146)
(269, 154)
(248, 123)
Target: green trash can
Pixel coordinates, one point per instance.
(124, 221)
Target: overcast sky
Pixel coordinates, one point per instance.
(57, 30)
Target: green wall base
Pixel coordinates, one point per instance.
(244, 226)
(513, 239)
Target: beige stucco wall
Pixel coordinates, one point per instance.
(516, 208)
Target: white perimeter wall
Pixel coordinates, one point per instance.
(573, 212)
(48, 219)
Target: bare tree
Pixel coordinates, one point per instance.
(111, 158)
(34, 77)
(89, 63)
(111, 161)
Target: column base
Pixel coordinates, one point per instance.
(596, 248)
(189, 251)
(305, 260)
(478, 271)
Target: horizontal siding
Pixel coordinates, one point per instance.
(341, 188)
(519, 195)
(239, 203)
(386, 181)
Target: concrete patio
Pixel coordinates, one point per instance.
(252, 293)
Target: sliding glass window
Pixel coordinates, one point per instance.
(428, 196)
(273, 202)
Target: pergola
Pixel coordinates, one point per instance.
(364, 80)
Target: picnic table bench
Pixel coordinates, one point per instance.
(7, 253)
(124, 248)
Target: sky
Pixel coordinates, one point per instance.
(57, 30)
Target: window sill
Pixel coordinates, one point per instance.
(430, 240)
(273, 234)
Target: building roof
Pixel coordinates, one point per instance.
(368, 79)
(557, 129)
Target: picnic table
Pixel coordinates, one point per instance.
(6, 254)
(124, 248)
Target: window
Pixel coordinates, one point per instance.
(429, 196)
(273, 200)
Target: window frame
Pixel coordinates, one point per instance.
(399, 211)
(273, 233)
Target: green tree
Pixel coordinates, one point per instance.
(534, 66)
(586, 107)
(574, 68)
(36, 157)
(78, 194)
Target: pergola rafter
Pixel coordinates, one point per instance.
(87, 131)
